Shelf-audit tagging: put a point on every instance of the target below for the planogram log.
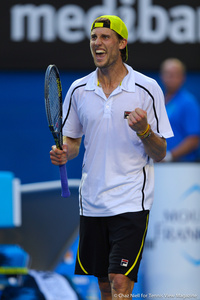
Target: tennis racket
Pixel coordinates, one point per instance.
(53, 105)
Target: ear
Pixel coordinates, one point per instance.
(122, 44)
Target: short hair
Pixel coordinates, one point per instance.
(174, 60)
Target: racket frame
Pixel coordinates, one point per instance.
(56, 133)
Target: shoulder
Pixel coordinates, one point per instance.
(185, 103)
(78, 87)
(187, 96)
(143, 81)
(81, 81)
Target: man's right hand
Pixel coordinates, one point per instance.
(59, 157)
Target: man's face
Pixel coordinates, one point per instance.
(172, 76)
(105, 47)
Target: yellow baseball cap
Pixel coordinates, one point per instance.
(116, 24)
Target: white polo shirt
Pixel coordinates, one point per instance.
(117, 175)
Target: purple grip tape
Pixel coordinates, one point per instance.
(64, 181)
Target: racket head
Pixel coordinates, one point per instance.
(53, 103)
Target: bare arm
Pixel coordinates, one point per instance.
(70, 150)
(154, 145)
(73, 146)
(185, 147)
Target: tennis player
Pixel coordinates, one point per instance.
(122, 115)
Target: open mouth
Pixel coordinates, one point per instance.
(100, 53)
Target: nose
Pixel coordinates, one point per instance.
(98, 41)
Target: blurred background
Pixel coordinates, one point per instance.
(37, 33)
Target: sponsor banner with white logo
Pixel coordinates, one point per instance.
(35, 33)
(172, 254)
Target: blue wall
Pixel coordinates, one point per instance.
(25, 137)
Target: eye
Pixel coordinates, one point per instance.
(93, 37)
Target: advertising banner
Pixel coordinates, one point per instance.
(10, 200)
(35, 33)
(172, 260)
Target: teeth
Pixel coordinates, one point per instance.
(100, 51)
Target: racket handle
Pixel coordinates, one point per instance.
(64, 181)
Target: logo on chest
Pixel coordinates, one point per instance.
(126, 114)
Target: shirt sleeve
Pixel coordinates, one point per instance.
(71, 123)
(157, 113)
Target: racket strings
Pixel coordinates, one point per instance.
(54, 101)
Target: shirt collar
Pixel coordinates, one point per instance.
(128, 83)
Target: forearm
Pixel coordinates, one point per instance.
(185, 147)
(155, 146)
(73, 146)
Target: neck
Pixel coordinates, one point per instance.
(171, 92)
(169, 95)
(111, 77)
